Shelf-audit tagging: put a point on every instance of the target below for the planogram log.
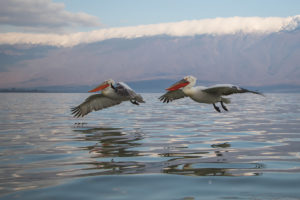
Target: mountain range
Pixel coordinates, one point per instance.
(255, 60)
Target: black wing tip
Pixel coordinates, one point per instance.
(76, 112)
(256, 92)
(165, 100)
(252, 91)
(162, 98)
(259, 93)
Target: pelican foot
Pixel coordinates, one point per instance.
(216, 108)
(223, 106)
(134, 102)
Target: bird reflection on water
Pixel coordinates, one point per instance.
(50, 148)
(111, 143)
(120, 151)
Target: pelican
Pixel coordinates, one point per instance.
(200, 94)
(112, 94)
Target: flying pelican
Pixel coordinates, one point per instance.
(112, 94)
(209, 95)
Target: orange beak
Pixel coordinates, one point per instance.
(100, 87)
(178, 85)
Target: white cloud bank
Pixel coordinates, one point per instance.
(217, 26)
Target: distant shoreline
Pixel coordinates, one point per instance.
(17, 90)
(149, 86)
(139, 91)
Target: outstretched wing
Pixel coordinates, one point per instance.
(123, 89)
(172, 95)
(227, 89)
(93, 102)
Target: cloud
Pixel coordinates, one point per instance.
(41, 15)
(217, 26)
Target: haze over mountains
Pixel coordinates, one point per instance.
(247, 59)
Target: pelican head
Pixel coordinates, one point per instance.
(102, 86)
(191, 79)
(187, 81)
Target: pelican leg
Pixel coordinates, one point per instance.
(134, 102)
(223, 106)
(216, 108)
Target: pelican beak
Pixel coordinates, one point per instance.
(100, 87)
(178, 85)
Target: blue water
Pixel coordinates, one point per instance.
(181, 150)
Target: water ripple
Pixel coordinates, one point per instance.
(42, 143)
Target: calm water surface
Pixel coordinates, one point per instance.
(182, 150)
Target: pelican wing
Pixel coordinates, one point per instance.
(172, 95)
(227, 89)
(123, 89)
(93, 102)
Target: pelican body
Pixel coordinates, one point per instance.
(112, 94)
(201, 94)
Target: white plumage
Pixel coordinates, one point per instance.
(112, 94)
(200, 94)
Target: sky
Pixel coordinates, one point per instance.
(116, 13)
(76, 15)
(71, 22)
(67, 23)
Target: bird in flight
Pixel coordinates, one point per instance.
(112, 94)
(201, 94)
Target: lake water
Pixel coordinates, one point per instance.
(182, 150)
